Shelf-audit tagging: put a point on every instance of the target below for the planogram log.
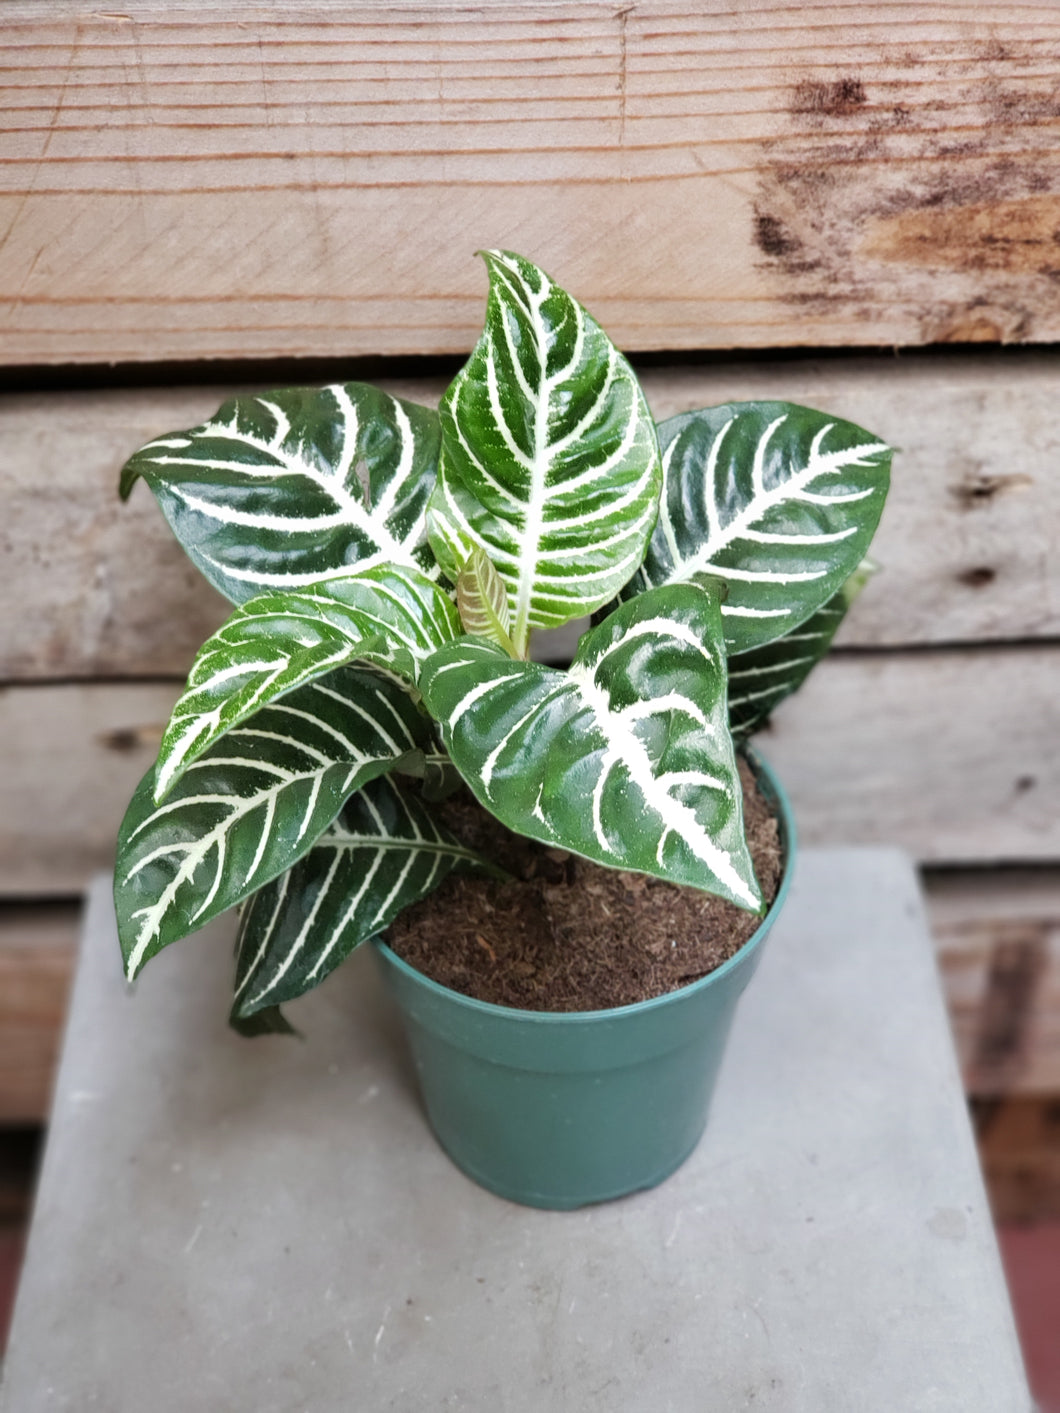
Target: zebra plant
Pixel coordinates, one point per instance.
(388, 566)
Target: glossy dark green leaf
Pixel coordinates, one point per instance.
(779, 501)
(384, 852)
(759, 680)
(287, 488)
(253, 804)
(626, 758)
(271, 645)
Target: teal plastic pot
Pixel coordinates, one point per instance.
(559, 1109)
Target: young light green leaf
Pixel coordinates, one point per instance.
(759, 680)
(777, 500)
(384, 852)
(438, 776)
(284, 489)
(626, 758)
(549, 457)
(254, 804)
(390, 617)
(482, 600)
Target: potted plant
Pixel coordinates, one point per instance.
(388, 565)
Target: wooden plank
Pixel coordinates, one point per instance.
(998, 938)
(951, 755)
(1019, 1148)
(253, 179)
(970, 541)
(876, 750)
(70, 759)
(37, 949)
(104, 589)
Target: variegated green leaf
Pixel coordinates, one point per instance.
(626, 758)
(778, 501)
(482, 600)
(253, 804)
(272, 644)
(759, 680)
(549, 456)
(383, 853)
(284, 489)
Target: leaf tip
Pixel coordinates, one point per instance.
(131, 965)
(753, 900)
(130, 474)
(270, 1020)
(165, 779)
(510, 260)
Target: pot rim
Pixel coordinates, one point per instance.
(775, 790)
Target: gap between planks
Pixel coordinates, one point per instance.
(969, 542)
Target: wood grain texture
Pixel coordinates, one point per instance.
(875, 749)
(213, 180)
(37, 950)
(70, 759)
(951, 755)
(105, 589)
(1019, 1149)
(998, 940)
(970, 541)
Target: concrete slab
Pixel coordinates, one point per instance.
(268, 1227)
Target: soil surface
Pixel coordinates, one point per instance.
(566, 934)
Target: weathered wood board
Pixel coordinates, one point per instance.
(951, 755)
(875, 749)
(37, 950)
(70, 758)
(250, 179)
(1019, 1148)
(970, 542)
(998, 939)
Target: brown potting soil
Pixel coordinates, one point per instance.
(565, 934)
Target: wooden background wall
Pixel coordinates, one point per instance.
(853, 206)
